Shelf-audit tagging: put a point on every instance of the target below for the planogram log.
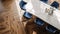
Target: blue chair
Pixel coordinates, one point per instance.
(51, 29)
(55, 4)
(45, 1)
(22, 4)
(39, 22)
(27, 15)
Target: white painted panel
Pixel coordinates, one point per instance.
(39, 9)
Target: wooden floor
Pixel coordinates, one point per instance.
(9, 18)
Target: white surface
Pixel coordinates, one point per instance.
(39, 9)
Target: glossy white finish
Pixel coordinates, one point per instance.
(39, 9)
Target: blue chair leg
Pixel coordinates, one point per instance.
(27, 15)
(55, 4)
(39, 22)
(22, 4)
(51, 29)
(45, 1)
